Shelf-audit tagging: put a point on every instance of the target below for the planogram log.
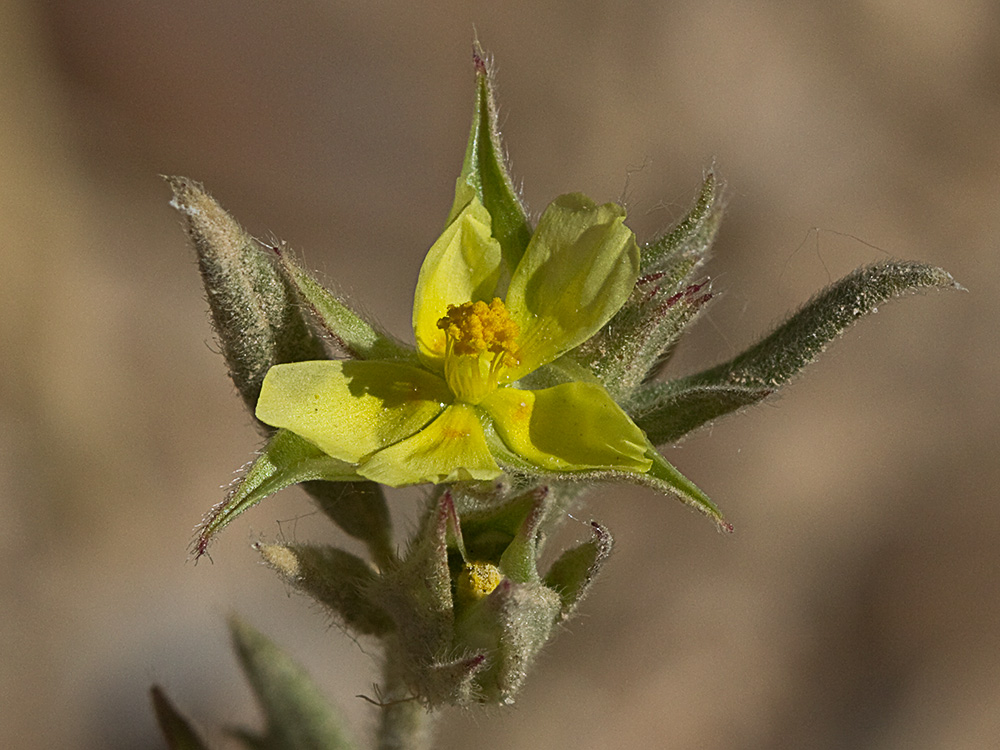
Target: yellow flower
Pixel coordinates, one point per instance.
(481, 328)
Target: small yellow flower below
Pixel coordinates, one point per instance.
(478, 579)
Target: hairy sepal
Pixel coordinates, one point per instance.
(285, 460)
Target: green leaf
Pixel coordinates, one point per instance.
(484, 174)
(641, 337)
(361, 511)
(573, 573)
(285, 460)
(797, 342)
(355, 336)
(254, 311)
(680, 251)
(176, 730)
(298, 716)
(336, 579)
(667, 412)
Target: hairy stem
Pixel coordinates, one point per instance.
(404, 723)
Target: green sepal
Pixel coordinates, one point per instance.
(489, 530)
(361, 511)
(641, 337)
(664, 478)
(417, 594)
(519, 562)
(254, 310)
(177, 731)
(298, 716)
(484, 174)
(573, 573)
(510, 626)
(285, 460)
(453, 682)
(336, 579)
(773, 361)
(669, 411)
(680, 251)
(352, 334)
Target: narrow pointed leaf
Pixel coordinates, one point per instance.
(667, 412)
(573, 573)
(484, 174)
(254, 311)
(681, 250)
(176, 730)
(336, 579)
(797, 342)
(285, 460)
(351, 333)
(298, 716)
(665, 478)
(640, 338)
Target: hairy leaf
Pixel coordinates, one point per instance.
(298, 716)
(336, 579)
(254, 311)
(664, 410)
(351, 333)
(285, 460)
(484, 174)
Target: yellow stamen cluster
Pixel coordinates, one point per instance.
(475, 328)
(478, 579)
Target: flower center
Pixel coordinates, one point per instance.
(481, 340)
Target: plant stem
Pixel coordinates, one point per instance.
(404, 723)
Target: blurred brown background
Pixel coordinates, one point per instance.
(856, 605)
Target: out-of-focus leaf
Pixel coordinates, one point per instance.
(176, 730)
(298, 716)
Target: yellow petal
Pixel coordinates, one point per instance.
(462, 266)
(578, 270)
(350, 409)
(452, 448)
(570, 427)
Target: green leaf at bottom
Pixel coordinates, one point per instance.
(298, 715)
